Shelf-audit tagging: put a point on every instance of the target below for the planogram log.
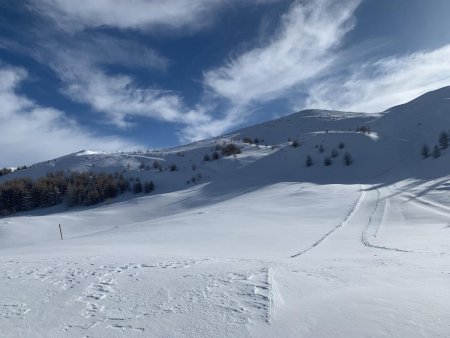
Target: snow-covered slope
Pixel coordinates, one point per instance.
(256, 245)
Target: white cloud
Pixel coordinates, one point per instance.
(79, 64)
(32, 133)
(377, 86)
(134, 14)
(303, 48)
(120, 98)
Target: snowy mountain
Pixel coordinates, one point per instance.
(251, 244)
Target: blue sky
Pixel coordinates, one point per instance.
(123, 74)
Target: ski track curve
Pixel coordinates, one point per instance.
(364, 236)
(351, 212)
(366, 242)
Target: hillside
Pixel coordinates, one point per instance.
(252, 244)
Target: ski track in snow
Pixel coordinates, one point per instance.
(436, 207)
(364, 233)
(365, 236)
(351, 212)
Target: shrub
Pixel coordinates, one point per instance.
(173, 167)
(327, 161)
(206, 158)
(334, 153)
(215, 155)
(321, 148)
(309, 161)
(295, 143)
(247, 140)
(341, 145)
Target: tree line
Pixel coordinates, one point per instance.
(76, 189)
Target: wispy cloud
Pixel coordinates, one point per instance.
(134, 14)
(121, 99)
(79, 63)
(303, 47)
(31, 132)
(376, 86)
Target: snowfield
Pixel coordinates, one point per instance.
(258, 246)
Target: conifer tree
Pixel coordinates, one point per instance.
(436, 152)
(348, 159)
(443, 140)
(425, 152)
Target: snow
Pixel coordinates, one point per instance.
(261, 246)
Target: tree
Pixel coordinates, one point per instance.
(137, 187)
(334, 153)
(93, 197)
(341, 145)
(425, 152)
(157, 165)
(149, 187)
(295, 143)
(363, 129)
(309, 161)
(215, 155)
(173, 167)
(436, 152)
(5, 171)
(327, 161)
(321, 148)
(230, 149)
(348, 159)
(443, 140)
(206, 158)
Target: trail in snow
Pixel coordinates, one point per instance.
(364, 236)
(352, 211)
(370, 222)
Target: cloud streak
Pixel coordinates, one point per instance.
(303, 48)
(32, 133)
(133, 14)
(379, 85)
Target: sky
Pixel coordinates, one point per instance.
(143, 74)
